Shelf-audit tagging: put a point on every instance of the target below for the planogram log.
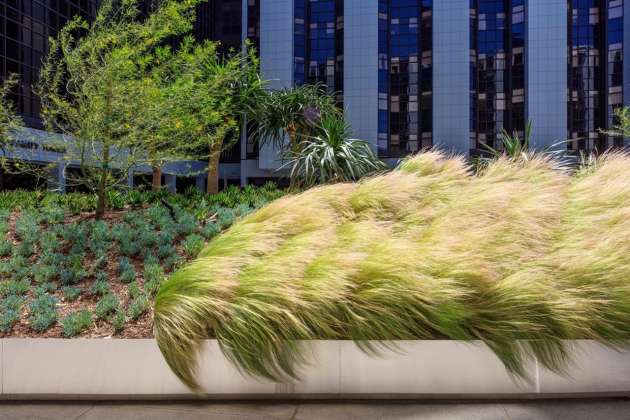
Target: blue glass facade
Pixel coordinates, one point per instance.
(497, 70)
(596, 34)
(405, 77)
(318, 49)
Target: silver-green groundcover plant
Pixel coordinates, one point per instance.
(520, 256)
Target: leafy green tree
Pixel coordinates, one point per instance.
(9, 120)
(292, 113)
(92, 83)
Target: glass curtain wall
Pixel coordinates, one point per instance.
(595, 72)
(318, 44)
(25, 26)
(497, 70)
(405, 77)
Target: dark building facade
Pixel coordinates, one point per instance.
(25, 26)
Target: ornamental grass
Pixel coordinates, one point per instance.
(520, 255)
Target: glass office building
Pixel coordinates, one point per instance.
(25, 26)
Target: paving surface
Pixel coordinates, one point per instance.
(613, 409)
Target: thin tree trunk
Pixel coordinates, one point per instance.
(212, 186)
(101, 204)
(156, 182)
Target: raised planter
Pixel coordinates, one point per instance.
(134, 369)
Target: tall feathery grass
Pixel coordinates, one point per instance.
(520, 256)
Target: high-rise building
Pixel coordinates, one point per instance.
(409, 74)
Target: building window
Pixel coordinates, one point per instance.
(405, 77)
(497, 70)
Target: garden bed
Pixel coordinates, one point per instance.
(65, 274)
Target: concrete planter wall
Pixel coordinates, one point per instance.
(120, 369)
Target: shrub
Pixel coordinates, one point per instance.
(10, 312)
(165, 238)
(153, 278)
(44, 273)
(6, 248)
(138, 306)
(186, 224)
(193, 244)
(101, 286)
(14, 287)
(118, 322)
(124, 264)
(43, 312)
(166, 251)
(71, 293)
(225, 217)
(210, 230)
(128, 276)
(53, 214)
(76, 322)
(134, 289)
(106, 306)
(70, 276)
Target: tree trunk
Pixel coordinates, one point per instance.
(101, 204)
(156, 182)
(212, 186)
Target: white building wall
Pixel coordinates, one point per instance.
(451, 75)
(547, 49)
(361, 68)
(276, 59)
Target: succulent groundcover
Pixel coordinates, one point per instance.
(519, 255)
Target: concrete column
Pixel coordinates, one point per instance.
(170, 183)
(276, 59)
(57, 178)
(546, 47)
(451, 75)
(361, 68)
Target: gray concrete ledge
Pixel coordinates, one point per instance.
(134, 369)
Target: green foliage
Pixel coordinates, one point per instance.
(520, 256)
(6, 248)
(43, 312)
(10, 308)
(622, 123)
(210, 230)
(118, 322)
(330, 155)
(186, 224)
(138, 306)
(153, 278)
(14, 287)
(76, 322)
(193, 244)
(98, 85)
(44, 273)
(101, 286)
(71, 293)
(106, 306)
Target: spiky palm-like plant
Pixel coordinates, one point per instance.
(520, 256)
(332, 156)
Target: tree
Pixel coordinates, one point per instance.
(332, 156)
(92, 83)
(292, 113)
(9, 120)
